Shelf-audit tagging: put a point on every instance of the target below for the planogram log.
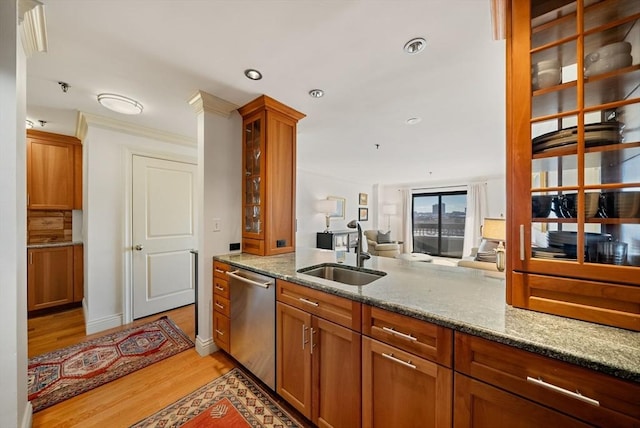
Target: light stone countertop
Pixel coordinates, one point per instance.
(53, 244)
(466, 300)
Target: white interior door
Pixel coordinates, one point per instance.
(163, 234)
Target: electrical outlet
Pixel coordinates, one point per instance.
(216, 225)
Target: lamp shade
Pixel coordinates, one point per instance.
(389, 209)
(326, 206)
(494, 229)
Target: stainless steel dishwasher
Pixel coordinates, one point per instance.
(253, 323)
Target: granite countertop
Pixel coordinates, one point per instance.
(466, 300)
(53, 244)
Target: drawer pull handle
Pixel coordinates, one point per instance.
(219, 288)
(397, 333)
(220, 270)
(219, 305)
(308, 302)
(555, 388)
(219, 332)
(398, 360)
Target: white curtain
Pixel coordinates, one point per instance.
(407, 221)
(477, 210)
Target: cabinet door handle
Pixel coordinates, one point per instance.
(308, 302)
(399, 361)
(304, 335)
(219, 288)
(390, 330)
(522, 242)
(312, 344)
(30, 258)
(563, 391)
(219, 305)
(219, 332)
(219, 270)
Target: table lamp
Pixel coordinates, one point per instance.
(389, 210)
(327, 207)
(495, 229)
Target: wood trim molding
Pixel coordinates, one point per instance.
(204, 102)
(270, 104)
(87, 119)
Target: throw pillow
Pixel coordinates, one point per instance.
(384, 238)
(486, 251)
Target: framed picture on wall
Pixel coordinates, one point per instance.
(363, 198)
(339, 212)
(363, 214)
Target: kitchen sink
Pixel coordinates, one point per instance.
(343, 274)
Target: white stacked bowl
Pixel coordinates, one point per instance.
(608, 58)
(545, 74)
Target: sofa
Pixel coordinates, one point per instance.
(380, 244)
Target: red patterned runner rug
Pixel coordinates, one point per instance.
(65, 373)
(230, 401)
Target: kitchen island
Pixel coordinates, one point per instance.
(450, 330)
(466, 300)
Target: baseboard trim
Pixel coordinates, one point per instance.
(205, 347)
(27, 417)
(102, 324)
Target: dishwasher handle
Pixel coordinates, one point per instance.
(235, 275)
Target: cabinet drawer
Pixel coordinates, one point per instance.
(221, 331)
(221, 305)
(342, 311)
(424, 339)
(221, 287)
(577, 391)
(220, 270)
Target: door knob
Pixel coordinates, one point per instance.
(138, 247)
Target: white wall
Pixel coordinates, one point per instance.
(14, 409)
(311, 187)
(105, 215)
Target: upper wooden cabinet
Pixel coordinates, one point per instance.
(54, 171)
(269, 176)
(573, 156)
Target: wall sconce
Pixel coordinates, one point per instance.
(495, 229)
(389, 210)
(327, 207)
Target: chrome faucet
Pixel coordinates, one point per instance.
(361, 256)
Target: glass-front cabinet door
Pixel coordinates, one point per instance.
(253, 186)
(584, 136)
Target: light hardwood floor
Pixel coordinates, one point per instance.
(122, 402)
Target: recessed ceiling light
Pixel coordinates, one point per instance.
(415, 45)
(120, 104)
(253, 74)
(316, 93)
(413, 120)
(29, 124)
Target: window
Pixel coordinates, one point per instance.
(438, 223)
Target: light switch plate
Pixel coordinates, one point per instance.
(216, 225)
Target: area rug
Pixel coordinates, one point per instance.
(231, 401)
(65, 373)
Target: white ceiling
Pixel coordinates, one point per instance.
(160, 52)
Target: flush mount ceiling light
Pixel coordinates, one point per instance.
(413, 120)
(29, 124)
(316, 93)
(253, 74)
(415, 45)
(120, 104)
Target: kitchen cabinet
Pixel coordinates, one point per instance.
(54, 276)
(318, 355)
(269, 176)
(54, 171)
(407, 380)
(573, 131)
(221, 306)
(499, 385)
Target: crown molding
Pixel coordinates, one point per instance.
(33, 26)
(87, 119)
(204, 102)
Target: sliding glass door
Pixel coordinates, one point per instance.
(438, 223)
